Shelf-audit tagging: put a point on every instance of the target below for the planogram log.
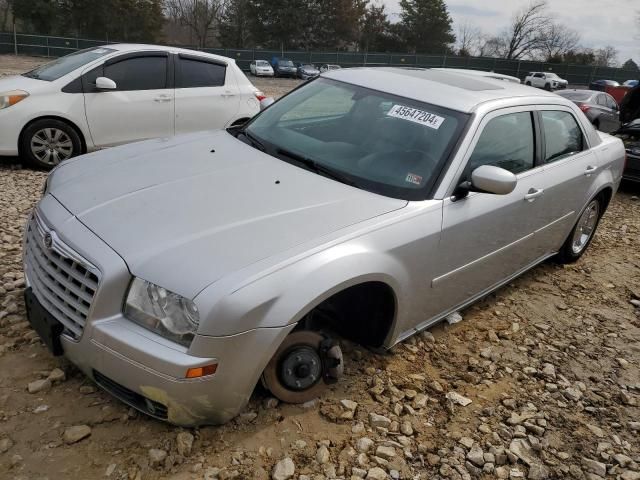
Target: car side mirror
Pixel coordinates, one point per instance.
(491, 179)
(104, 83)
(266, 102)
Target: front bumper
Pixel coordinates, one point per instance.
(10, 127)
(143, 369)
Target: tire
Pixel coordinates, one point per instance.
(528, 84)
(47, 142)
(577, 243)
(547, 87)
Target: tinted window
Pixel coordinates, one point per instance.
(62, 66)
(563, 136)
(506, 142)
(539, 75)
(196, 74)
(139, 73)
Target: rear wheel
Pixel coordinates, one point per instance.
(47, 142)
(529, 84)
(547, 87)
(582, 233)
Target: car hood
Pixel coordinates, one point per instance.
(187, 211)
(19, 82)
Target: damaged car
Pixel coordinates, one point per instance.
(366, 205)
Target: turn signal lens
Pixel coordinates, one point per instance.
(198, 372)
(8, 99)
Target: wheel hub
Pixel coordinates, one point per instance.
(300, 368)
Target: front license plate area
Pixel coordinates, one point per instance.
(47, 327)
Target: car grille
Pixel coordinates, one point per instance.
(135, 400)
(64, 283)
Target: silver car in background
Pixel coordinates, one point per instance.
(367, 204)
(601, 109)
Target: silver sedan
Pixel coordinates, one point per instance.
(366, 205)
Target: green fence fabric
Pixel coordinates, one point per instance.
(47, 46)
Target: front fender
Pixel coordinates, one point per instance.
(285, 296)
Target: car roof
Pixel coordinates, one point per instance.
(135, 47)
(457, 91)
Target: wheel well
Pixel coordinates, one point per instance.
(60, 119)
(363, 313)
(606, 195)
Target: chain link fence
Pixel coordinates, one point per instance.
(47, 46)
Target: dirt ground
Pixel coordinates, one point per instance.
(550, 364)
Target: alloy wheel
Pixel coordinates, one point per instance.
(51, 146)
(586, 227)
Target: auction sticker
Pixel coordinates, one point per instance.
(414, 115)
(413, 178)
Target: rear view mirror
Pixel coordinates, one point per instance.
(104, 83)
(490, 179)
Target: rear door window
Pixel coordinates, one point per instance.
(200, 74)
(562, 134)
(507, 142)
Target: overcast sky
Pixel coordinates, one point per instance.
(600, 22)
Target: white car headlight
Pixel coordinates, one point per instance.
(8, 99)
(162, 311)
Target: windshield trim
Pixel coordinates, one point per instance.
(425, 193)
(31, 74)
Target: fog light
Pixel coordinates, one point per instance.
(198, 372)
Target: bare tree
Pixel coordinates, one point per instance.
(526, 33)
(606, 57)
(558, 40)
(469, 39)
(492, 47)
(200, 16)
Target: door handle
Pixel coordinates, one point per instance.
(162, 98)
(590, 170)
(228, 94)
(533, 193)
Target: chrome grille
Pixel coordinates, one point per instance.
(62, 280)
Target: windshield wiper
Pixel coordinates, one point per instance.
(317, 167)
(255, 143)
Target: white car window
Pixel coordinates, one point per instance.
(506, 142)
(562, 134)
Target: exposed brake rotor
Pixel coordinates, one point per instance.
(302, 366)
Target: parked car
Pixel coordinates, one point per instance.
(368, 205)
(328, 67)
(112, 95)
(601, 85)
(261, 68)
(547, 80)
(630, 105)
(480, 73)
(307, 71)
(631, 83)
(630, 133)
(600, 108)
(283, 67)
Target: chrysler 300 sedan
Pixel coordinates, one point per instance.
(366, 205)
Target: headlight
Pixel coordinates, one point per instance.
(8, 99)
(162, 311)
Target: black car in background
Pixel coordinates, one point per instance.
(599, 107)
(601, 85)
(283, 67)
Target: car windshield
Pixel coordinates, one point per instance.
(372, 140)
(262, 63)
(308, 67)
(576, 96)
(60, 67)
(285, 63)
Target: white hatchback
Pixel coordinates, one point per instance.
(116, 94)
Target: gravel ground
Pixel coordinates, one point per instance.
(540, 380)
